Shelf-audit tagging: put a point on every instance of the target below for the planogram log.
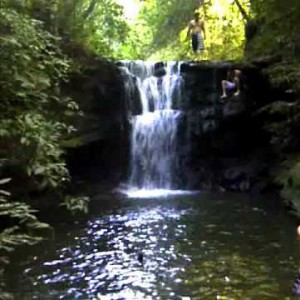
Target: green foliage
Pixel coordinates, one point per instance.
(225, 30)
(22, 217)
(277, 37)
(278, 28)
(283, 124)
(98, 25)
(136, 44)
(163, 20)
(31, 70)
(37, 37)
(34, 114)
(76, 204)
(37, 40)
(285, 74)
(160, 31)
(10, 239)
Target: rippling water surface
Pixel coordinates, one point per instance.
(205, 246)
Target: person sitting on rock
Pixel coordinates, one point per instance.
(231, 84)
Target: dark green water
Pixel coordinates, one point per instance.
(204, 246)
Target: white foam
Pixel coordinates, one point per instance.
(155, 193)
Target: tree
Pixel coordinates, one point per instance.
(276, 43)
(163, 24)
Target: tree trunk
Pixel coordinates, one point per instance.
(90, 9)
(242, 10)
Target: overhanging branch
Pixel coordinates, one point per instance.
(242, 10)
(90, 9)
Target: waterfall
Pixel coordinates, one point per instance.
(154, 158)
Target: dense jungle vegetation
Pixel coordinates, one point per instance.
(42, 42)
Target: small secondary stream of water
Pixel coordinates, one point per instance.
(154, 146)
(207, 246)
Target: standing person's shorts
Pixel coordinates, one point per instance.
(197, 42)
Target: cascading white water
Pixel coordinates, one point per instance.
(154, 148)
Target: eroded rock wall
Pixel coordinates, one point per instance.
(224, 145)
(229, 149)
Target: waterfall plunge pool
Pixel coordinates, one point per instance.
(202, 246)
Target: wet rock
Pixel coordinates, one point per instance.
(209, 129)
(140, 257)
(208, 112)
(160, 72)
(232, 108)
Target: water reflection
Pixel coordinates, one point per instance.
(104, 260)
(192, 247)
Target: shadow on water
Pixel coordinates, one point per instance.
(204, 246)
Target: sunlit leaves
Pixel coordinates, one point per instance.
(76, 204)
(30, 73)
(225, 30)
(98, 25)
(163, 26)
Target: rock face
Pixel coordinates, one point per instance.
(99, 148)
(227, 148)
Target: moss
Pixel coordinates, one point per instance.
(72, 142)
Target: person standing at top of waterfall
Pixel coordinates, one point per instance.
(196, 32)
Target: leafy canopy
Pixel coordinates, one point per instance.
(159, 32)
